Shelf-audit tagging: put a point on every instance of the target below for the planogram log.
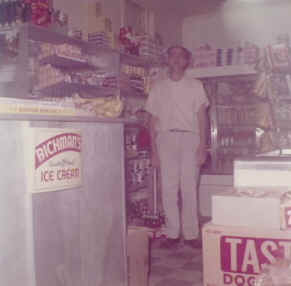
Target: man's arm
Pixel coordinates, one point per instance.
(203, 130)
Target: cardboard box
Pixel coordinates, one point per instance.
(263, 209)
(231, 208)
(235, 255)
(263, 172)
(138, 256)
(210, 185)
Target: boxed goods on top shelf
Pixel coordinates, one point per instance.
(206, 56)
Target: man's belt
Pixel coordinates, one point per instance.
(178, 130)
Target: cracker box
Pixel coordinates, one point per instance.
(253, 209)
(263, 172)
(235, 255)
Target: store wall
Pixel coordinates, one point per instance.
(114, 10)
(169, 27)
(76, 10)
(238, 20)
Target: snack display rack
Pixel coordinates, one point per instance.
(106, 63)
(232, 114)
(91, 59)
(245, 122)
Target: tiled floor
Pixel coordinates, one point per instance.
(181, 267)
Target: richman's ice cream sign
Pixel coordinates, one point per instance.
(57, 159)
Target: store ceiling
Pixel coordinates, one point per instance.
(181, 7)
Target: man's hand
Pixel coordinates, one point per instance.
(201, 155)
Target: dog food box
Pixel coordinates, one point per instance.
(235, 255)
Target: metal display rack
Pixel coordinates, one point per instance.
(232, 127)
(107, 63)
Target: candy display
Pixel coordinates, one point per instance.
(110, 107)
(101, 39)
(134, 77)
(63, 50)
(48, 76)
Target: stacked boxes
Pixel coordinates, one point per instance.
(205, 56)
(98, 28)
(250, 223)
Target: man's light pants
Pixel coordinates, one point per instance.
(179, 170)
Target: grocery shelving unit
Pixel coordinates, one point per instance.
(142, 196)
(231, 114)
(106, 61)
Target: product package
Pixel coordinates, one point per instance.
(262, 173)
(236, 255)
(257, 208)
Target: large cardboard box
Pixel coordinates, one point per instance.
(235, 255)
(232, 208)
(262, 172)
(210, 185)
(138, 256)
(252, 208)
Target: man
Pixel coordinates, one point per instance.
(177, 105)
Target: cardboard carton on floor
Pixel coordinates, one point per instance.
(234, 256)
(138, 256)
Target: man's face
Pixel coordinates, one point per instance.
(178, 59)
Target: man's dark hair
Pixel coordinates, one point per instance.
(187, 53)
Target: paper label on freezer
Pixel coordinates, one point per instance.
(57, 159)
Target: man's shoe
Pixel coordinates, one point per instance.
(193, 243)
(170, 243)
